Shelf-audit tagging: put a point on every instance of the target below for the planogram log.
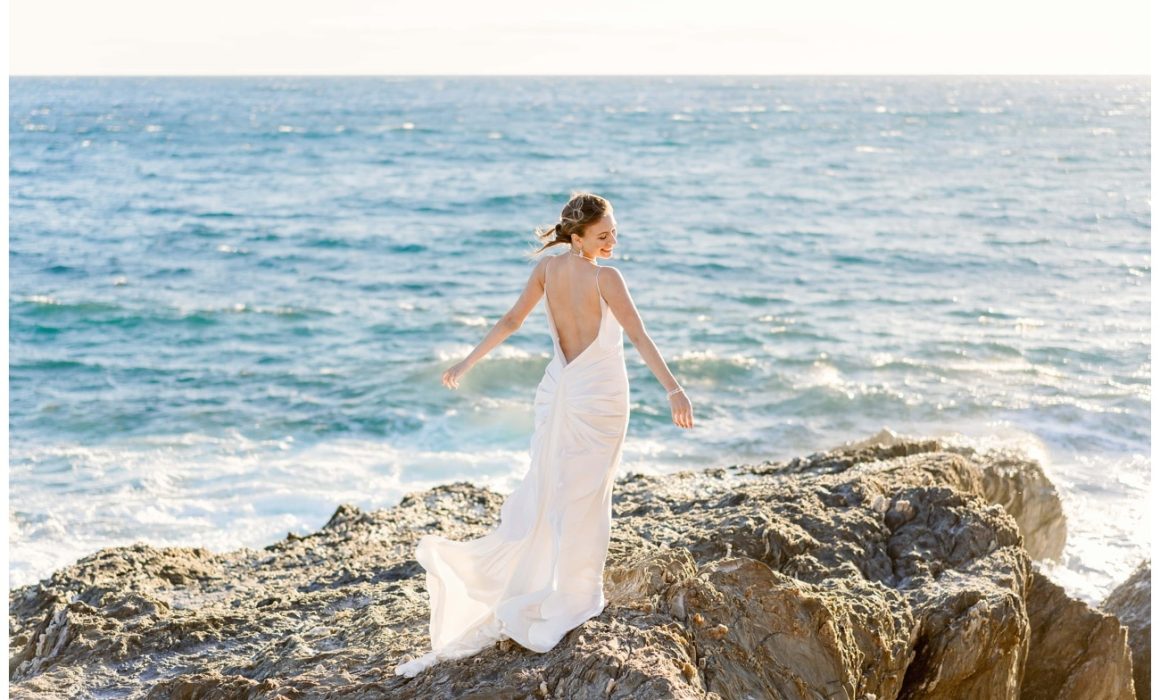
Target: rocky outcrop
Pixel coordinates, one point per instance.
(870, 571)
(1131, 603)
(1080, 652)
(1010, 479)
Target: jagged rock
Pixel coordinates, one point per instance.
(964, 574)
(213, 686)
(764, 634)
(1024, 491)
(1010, 479)
(873, 571)
(1131, 603)
(1081, 653)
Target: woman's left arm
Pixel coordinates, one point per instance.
(503, 328)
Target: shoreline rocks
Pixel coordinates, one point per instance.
(1081, 652)
(1131, 603)
(888, 568)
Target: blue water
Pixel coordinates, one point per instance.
(231, 299)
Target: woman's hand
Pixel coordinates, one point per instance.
(682, 409)
(452, 376)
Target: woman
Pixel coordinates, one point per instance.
(540, 573)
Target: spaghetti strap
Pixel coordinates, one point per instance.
(599, 296)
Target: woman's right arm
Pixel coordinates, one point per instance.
(620, 301)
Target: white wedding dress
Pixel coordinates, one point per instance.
(540, 572)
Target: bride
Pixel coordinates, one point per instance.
(540, 573)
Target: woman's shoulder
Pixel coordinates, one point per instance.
(611, 279)
(543, 263)
(546, 262)
(610, 271)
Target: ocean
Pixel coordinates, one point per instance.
(231, 299)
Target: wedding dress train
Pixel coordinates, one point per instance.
(540, 572)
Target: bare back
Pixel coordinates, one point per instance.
(572, 293)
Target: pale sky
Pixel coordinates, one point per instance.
(580, 37)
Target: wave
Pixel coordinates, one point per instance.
(713, 369)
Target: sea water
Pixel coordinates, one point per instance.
(232, 299)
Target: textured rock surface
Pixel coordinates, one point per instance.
(871, 571)
(1131, 603)
(1010, 479)
(1081, 653)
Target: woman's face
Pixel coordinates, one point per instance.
(599, 237)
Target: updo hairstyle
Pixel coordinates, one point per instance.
(581, 210)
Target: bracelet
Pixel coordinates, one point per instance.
(677, 390)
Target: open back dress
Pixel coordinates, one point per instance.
(540, 572)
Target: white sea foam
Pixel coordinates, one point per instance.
(821, 374)
(474, 321)
(190, 490)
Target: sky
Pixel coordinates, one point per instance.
(581, 37)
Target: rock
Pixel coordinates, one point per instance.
(1010, 479)
(1131, 603)
(1023, 489)
(849, 636)
(213, 685)
(963, 572)
(1080, 653)
(870, 571)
